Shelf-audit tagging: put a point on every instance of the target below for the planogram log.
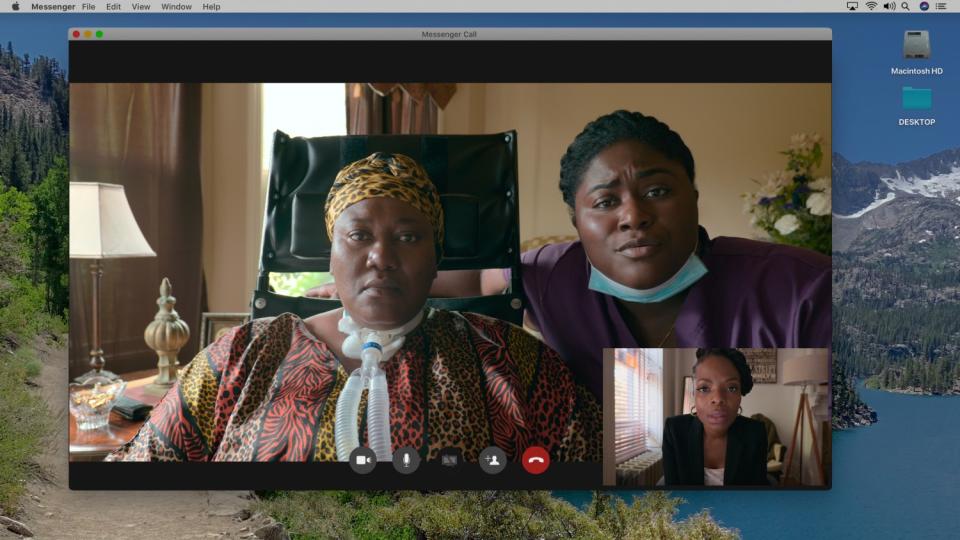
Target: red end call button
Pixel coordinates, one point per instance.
(536, 460)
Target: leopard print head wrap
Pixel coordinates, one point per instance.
(386, 175)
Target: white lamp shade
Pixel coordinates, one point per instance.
(806, 369)
(102, 225)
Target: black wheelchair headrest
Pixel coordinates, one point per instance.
(475, 175)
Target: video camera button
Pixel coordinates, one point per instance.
(363, 460)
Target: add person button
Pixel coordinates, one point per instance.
(493, 460)
(536, 460)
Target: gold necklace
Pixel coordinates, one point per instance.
(666, 336)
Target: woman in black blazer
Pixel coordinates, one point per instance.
(714, 445)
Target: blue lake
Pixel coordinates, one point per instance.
(897, 478)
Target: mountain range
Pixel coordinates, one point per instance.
(33, 118)
(917, 202)
(896, 268)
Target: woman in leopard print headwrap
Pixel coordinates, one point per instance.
(268, 390)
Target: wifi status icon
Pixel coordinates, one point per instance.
(871, 6)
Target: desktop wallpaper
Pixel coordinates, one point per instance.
(896, 206)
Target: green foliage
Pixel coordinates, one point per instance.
(482, 514)
(896, 318)
(937, 377)
(490, 514)
(16, 218)
(23, 302)
(21, 312)
(847, 408)
(33, 236)
(791, 206)
(308, 515)
(297, 283)
(24, 422)
(332, 514)
(31, 135)
(652, 517)
(51, 257)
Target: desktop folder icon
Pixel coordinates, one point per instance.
(917, 98)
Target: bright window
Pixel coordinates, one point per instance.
(638, 396)
(301, 110)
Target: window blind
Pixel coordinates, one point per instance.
(630, 430)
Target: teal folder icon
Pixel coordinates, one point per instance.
(917, 98)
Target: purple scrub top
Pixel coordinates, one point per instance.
(755, 294)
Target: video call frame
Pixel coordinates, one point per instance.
(672, 61)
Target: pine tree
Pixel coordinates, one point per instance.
(51, 250)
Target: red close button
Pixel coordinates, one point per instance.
(536, 460)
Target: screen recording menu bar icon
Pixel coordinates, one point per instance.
(916, 44)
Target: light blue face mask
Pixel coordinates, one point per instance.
(689, 273)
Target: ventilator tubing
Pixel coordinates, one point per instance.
(378, 416)
(346, 432)
(370, 377)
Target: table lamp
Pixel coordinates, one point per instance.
(102, 226)
(801, 371)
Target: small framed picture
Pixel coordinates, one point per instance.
(763, 365)
(214, 325)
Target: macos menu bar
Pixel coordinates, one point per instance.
(486, 6)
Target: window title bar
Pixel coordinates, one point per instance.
(442, 34)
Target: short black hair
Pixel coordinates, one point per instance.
(736, 358)
(610, 129)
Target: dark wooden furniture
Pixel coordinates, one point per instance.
(94, 445)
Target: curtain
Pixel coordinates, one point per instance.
(145, 137)
(396, 108)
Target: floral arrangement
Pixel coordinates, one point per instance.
(792, 206)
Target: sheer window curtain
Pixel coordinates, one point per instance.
(145, 137)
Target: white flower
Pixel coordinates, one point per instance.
(787, 224)
(819, 204)
(802, 142)
(821, 184)
(772, 184)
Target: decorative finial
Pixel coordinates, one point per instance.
(166, 335)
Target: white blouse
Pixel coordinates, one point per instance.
(712, 477)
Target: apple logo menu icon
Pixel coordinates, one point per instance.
(16, 6)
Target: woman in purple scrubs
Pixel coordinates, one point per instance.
(644, 272)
